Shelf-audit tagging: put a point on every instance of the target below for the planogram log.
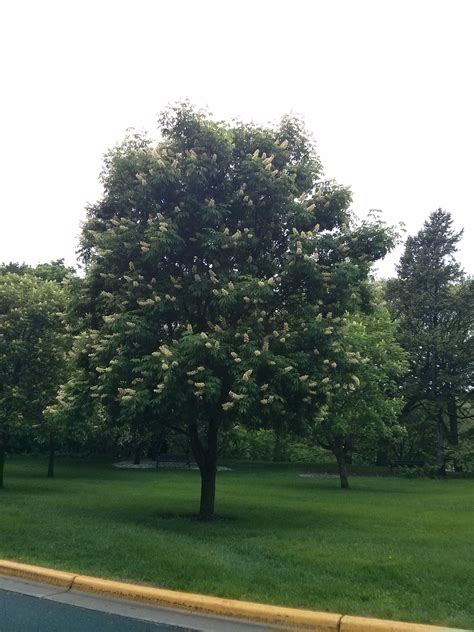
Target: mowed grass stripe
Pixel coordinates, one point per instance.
(392, 548)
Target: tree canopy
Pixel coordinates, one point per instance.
(367, 406)
(32, 352)
(219, 265)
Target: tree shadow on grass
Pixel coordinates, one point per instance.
(194, 517)
(247, 516)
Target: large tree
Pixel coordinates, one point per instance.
(219, 263)
(32, 352)
(433, 302)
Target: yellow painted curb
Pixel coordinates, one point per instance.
(36, 573)
(288, 617)
(361, 624)
(318, 621)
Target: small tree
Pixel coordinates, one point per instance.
(368, 401)
(32, 352)
(219, 264)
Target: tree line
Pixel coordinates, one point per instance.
(227, 287)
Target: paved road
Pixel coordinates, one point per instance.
(31, 607)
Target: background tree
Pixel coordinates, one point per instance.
(51, 271)
(368, 401)
(32, 352)
(434, 305)
(218, 266)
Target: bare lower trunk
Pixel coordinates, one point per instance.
(348, 447)
(452, 410)
(137, 456)
(278, 449)
(382, 458)
(342, 465)
(159, 447)
(440, 458)
(206, 458)
(208, 494)
(51, 457)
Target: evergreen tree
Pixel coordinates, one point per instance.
(433, 302)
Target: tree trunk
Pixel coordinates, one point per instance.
(342, 465)
(137, 455)
(52, 449)
(382, 458)
(159, 445)
(440, 460)
(452, 410)
(348, 447)
(278, 455)
(208, 494)
(2, 463)
(206, 458)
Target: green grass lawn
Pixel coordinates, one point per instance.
(390, 547)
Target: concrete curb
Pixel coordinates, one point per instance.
(259, 613)
(37, 573)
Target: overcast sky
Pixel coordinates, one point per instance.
(385, 86)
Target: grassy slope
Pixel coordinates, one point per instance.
(392, 548)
